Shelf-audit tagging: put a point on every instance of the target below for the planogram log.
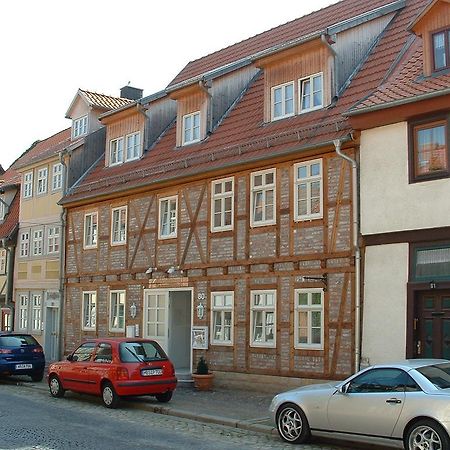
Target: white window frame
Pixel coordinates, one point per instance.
(263, 189)
(169, 201)
(222, 196)
(283, 101)
(42, 181)
(57, 176)
(53, 241)
(36, 312)
(24, 244)
(2, 209)
(28, 185)
(309, 309)
(23, 312)
(222, 310)
(191, 129)
(308, 180)
(38, 242)
(301, 82)
(89, 300)
(135, 146)
(119, 296)
(122, 214)
(265, 309)
(90, 234)
(3, 254)
(116, 157)
(80, 126)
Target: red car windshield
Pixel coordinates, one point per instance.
(439, 375)
(141, 351)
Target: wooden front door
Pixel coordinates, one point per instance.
(432, 325)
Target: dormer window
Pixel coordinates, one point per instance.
(283, 100)
(311, 93)
(191, 128)
(116, 151)
(441, 50)
(79, 126)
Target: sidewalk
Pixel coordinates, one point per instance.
(233, 408)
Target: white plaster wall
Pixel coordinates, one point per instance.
(384, 310)
(388, 202)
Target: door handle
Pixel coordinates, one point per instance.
(393, 400)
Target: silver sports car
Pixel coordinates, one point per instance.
(405, 403)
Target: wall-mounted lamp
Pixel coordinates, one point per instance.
(172, 269)
(432, 284)
(200, 310)
(133, 310)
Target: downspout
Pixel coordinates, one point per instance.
(357, 250)
(62, 258)
(11, 251)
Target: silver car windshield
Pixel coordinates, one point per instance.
(438, 374)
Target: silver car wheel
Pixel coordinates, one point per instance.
(290, 424)
(108, 395)
(54, 386)
(424, 438)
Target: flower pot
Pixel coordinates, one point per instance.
(203, 382)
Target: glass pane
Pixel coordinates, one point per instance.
(433, 263)
(302, 207)
(431, 151)
(446, 302)
(269, 178)
(257, 180)
(315, 205)
(228, 186)
(316, 298)
(228, 300)
(303, 298)
(428, 344)
(302, 172)
(315, 169)
(316, 319)
(160, 329)
(316, 336)
(446, 339)
(302, 191)
(218, 188)
(440, 60)
(277, 112)
(257, 208)
(277, 95)
(270, 299)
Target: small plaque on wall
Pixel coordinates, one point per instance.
(200, 338)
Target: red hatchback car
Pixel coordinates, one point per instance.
(114, 368)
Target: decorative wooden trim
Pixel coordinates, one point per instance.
(411, 236)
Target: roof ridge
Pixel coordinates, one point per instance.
(256, 35)
(104, 95)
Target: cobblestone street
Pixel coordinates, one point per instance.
(82, 422)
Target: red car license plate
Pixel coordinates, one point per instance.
(151, 372)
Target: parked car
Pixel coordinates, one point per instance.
(406, 403)
(114, 368)
(21, 354)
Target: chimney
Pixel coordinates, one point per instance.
(131, 93)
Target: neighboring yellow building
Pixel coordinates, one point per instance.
(37, 279)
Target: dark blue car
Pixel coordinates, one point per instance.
(21, 354)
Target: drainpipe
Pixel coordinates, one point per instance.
(62, 258)
(10, 252)
(355, 201)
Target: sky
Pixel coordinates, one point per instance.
(50, 48)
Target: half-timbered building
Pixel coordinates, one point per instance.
(222, 219)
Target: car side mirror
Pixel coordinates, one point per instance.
(72, 358)
(344, 389)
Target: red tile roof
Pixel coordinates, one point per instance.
(104, 101)
(11, 222)
(407, 83)
(302, 27)
(44, 149)
(242, 136)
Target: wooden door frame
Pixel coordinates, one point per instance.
(413, 292)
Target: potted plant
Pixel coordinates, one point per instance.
(203, 378)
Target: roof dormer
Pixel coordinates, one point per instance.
(193, 113)
(297, 80)
(433, 26)
(86, 107)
